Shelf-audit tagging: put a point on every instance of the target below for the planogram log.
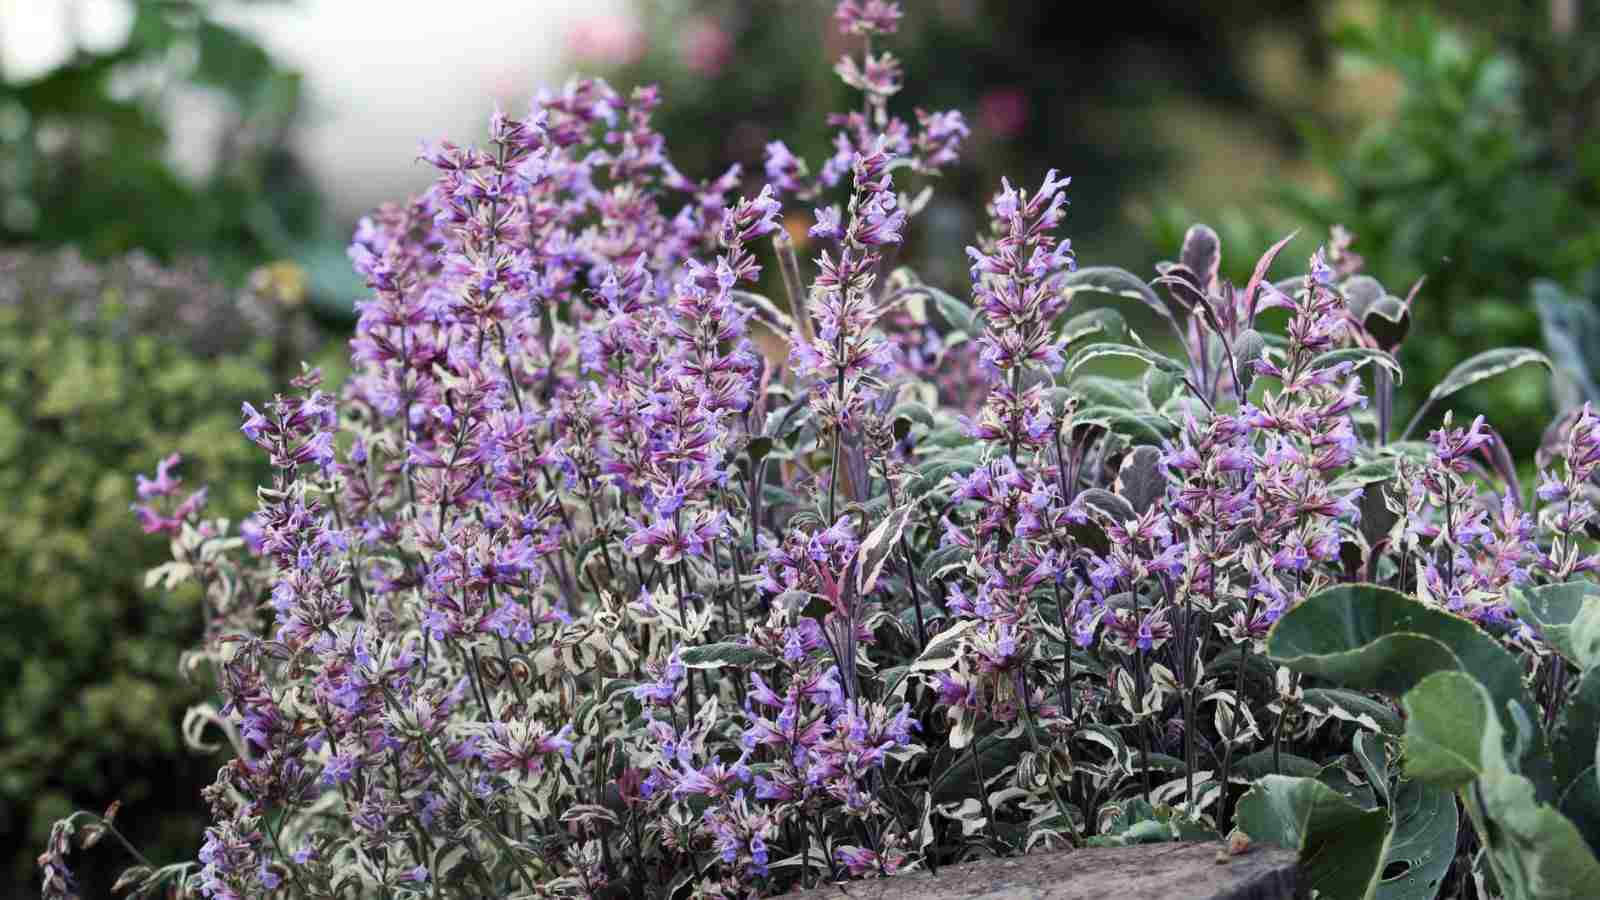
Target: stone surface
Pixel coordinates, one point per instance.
(1150, 872)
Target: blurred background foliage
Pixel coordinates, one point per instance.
(89, 155)
(1455, 140)
(108, 367)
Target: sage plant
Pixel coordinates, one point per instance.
(573, 589)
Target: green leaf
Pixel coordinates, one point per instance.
(1554, 609)
(1116, 283)
(1537, 851)
(1486, 365)
(1374, 638)
(1452, 737)
(960, 316)
(715, 656)
(1448, 715)
(1104, 320)
(1351, 706)
(1341, 845)
(1105, 349)
(1101, 390)
(1138, 427)
(1422, 843)
(1585, 636)
(916, 412)
(1577, 734)
(1580, 802)
(1478, 368)
(996, 752)
(1372, 752)
(1259, 764)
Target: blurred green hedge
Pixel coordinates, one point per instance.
(107, 369)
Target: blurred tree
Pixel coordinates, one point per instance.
(1483, 178)
(88, 149)
(1040, 85)
(108, 369)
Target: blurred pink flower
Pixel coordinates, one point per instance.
(706, 47)
(1003, 111)
(610, 39)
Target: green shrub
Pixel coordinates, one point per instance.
(107, 369)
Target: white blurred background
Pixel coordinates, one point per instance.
(379, 75)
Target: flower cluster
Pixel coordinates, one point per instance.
(573, 590)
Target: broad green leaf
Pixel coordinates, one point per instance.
(1485, 365)
(1580, 802)
(715, 656)
(1160, 386)
(1106, 349)
(1138, 427)
(1341, 845)
(1374, 638)
(1451, 735)
(1538, 852)
(1422, 842)
(1448, 715)
(1553, 609)
(1585, 636)
(916, 412)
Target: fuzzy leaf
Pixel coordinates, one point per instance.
(995, 752)
(1100, 390)
(1372, 752)
(1142, 480)
(1202, 254)
(1577, 736)
(1360, 292)
(1388, 320)
(1104, 320)
(1137, 427)
(1351, 706)
(1259, 764)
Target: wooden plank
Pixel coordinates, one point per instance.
(1186, 871)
